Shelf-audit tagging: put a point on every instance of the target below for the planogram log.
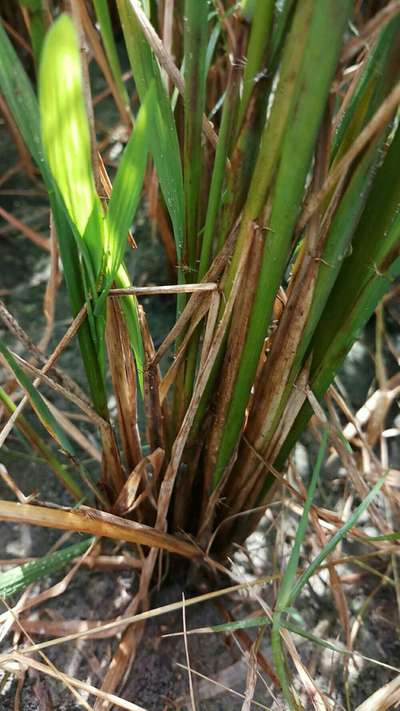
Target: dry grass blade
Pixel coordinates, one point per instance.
(61, 390)
(363, 39)
(50, 296)
(16, 329)
(24, 662)
(160, 290)
(54, 671)
(9, 481)
(72, 330)
(142, 616)
(257, 704)
(251, 679)
(385, 698)
(97, 523)
(127, 496)
(318, 700)
(191, 689)
(35, 237)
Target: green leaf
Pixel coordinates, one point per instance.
(333, 542)
(34, 440)
(164, 139)
(195, 46)
(17, 579)
(66, 137)
(300, 101)
(37, 402)
(289, 576)
(127, 188)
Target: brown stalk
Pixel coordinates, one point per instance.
(70, 333)
(155, 425)
(123, 378)
(127, 496)
(167, 484)
(235, 343)
(101, 60)
(382, 116)
(212, 275)
(96, 523)
(16, 329)
(211, 323)
(170, 375)
(35, 237)
(23, 152)
(54, 281)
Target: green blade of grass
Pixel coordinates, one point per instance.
(18, 93)
(164, 140)
(195, 45)
(289, 576)
(37, 442)
(66, 139)
(377, 78)
(321, 46)
(333, 542)
(127, 188)
(17, 579)
(37, 402)
(364, 277)
(256, 53)
(228, 124)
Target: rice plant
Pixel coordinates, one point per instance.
(267, 135)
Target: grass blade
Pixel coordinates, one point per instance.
(37, 402)
(17, 579)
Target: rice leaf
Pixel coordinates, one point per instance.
(37, 402)
(333, 542)
(127, 188)
(164, 145)
(289, 576)
(66, 139)
(303, 114)
(17, 579)
(34, 440)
